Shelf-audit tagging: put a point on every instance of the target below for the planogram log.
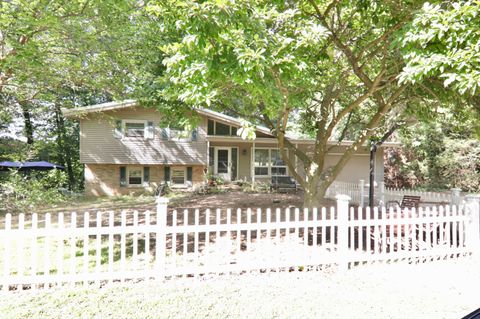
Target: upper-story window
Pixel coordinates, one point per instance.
(178, 133)
(134, 129)
(218, 128)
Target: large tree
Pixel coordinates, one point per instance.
(53, 53)
(330, 66)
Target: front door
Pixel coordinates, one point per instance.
(222, 163)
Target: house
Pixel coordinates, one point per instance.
(125, 150)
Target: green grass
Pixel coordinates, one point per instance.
(53, 255)
(435, 290)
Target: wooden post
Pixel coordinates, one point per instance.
(252, 165)
(160, 240)
(472, 204)
(362, 193)
(342, 241)
(455, 198)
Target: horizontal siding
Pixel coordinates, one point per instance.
(98, 144)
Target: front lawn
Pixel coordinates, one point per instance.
(446, 289)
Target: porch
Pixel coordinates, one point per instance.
(232, 158)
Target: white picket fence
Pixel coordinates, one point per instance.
(44, 251)
(359, 193)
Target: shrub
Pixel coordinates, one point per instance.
(24, 191)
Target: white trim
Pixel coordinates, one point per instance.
(215, 160)
(99, 108)
(269, 165)
(124, 128)
(141, 185)
(179, 168)
(231, 127)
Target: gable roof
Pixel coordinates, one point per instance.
(116, 105)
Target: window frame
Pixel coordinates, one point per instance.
(129, 168)
(124, 128)
(269, 163)
(231, 128)
(184, 170)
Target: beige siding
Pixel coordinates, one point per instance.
(98, 144)
(357, 168)
(104, 179)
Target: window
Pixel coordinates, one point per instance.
(211, 127)
(135, 128)
(261, 162)
(218, 128)
(135, 176)
(179, 133)
(269, 162)
(222, 129)
(178, 176)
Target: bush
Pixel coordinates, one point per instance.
(20, 191)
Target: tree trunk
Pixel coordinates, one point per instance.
(64, 151)
(27, 119)
(310, 196)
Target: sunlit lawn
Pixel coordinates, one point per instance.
(447, 289)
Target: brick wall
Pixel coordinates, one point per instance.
(104, 179)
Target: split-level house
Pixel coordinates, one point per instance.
(125, 150)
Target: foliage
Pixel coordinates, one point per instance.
(22, 192)
(56, 54)
(443, 42)
(439, 154)
(332, 68)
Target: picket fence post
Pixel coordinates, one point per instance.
(472, 204)
(160, 240)
(362, 193)
(455, 200)
(342, 240)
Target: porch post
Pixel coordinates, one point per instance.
(208, 160)
(252, 165)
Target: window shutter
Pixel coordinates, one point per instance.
(123, 176)
(164, 134)
(150, 133)
(194, 135)
(166, 173)
(189, 174)
(118, 129)
(146, 175)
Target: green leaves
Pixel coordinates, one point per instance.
(217, 51)
(443, 41)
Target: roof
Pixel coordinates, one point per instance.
(116, 105)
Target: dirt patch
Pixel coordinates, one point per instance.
(237, 199)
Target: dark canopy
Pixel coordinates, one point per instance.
(42, 165)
